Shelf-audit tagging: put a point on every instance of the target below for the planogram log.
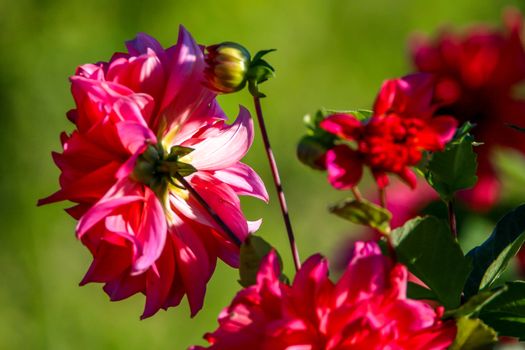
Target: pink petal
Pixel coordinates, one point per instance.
(345, 126)
(159, 281)
(409, 177)
(221, 198)
(185, 92)
(135, 136)
(365, 274)
(143, 43)
(269, 272)
(437, 132)
(254, 226)
(381, 178)
(109, 261)
(116, 197)
(192, 262)
(410, 96)
(344, 167)
(125, 287)
(151, 233)
(90, 187)
(243, 180)
(227, 147)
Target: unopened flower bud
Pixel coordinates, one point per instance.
(227, 67)
(312, 152)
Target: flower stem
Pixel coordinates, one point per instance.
(382, 197)
(277, 182)
(209, 209)
(390, 245)
(357, 194)
(452, 218)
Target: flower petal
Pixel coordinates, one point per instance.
(344, 167)
(345, 126)
(122, 193)
(227, 147)
(243, 180)
(151, 233)
(192, 262)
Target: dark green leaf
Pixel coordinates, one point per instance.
(492, 257)
(475, 304)
(416, 291)
(427, 248)
(453, 169)
(253, 250)
(363, 213)
(506, 312)
(473, 334)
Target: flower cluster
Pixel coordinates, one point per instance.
(366, 309)
(150, 146)
(154, 171)
(476, 79)
(402, 126)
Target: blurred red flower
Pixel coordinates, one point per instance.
(477, 76)
(392, 140)
(366, 309)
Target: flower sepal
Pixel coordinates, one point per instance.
(260, 71)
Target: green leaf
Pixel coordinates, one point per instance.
(416, 291)
(473, 334)
(492, 257)
(475, 304)
(506, 312)
(253, 250)
(363, 213)
(453, 169)
(427, 248)
(359, 114)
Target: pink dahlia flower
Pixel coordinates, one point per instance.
(141, 120)
(477, 75)
(393, 139)
(366, 309)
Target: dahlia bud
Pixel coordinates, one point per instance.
(312, 152)
(227, 67)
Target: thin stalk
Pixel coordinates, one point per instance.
(382, 197)
(452, 218)
(209, 209)
(391, 249)
(357, 194)
(278, 184)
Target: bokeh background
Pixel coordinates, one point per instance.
(331, 53)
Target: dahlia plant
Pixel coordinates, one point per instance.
(154, 172)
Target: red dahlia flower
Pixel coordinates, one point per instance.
(476, 79)
(366, 309)
(393, 139)
(141, 120)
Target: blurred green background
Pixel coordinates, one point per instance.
(332, 53)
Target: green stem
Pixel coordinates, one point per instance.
(277, 182)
